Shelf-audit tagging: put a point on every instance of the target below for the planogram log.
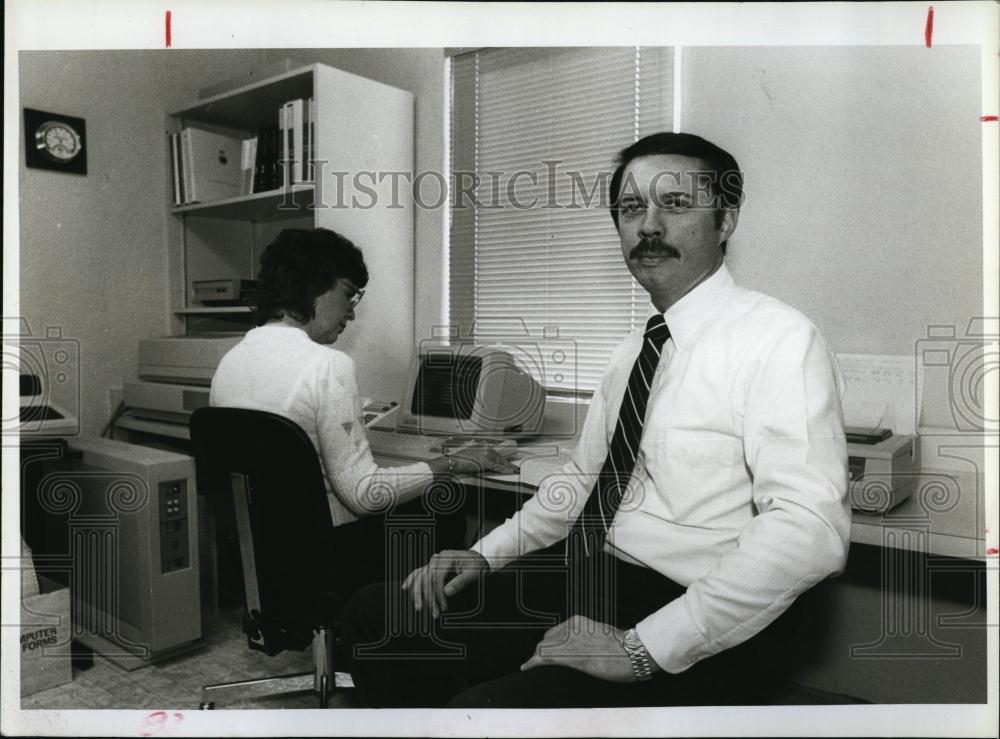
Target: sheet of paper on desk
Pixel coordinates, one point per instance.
(880, 391)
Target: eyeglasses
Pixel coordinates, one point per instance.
(355, 299)
(354, 294)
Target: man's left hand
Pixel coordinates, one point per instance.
(585, 645)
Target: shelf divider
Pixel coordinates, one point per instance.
(274, 205)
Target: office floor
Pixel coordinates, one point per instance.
(176, 684)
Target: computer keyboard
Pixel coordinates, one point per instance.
(422, 448)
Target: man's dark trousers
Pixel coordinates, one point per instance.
(471, 656)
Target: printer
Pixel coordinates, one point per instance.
(882, 468)
(185, 359)
(175, 373)
(880, 400)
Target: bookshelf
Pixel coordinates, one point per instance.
(271, 205)
(361, 126)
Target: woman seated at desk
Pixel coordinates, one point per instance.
(309, 285)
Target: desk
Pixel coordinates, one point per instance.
(945, 515)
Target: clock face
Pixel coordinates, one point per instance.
(55, 142)
(58, 140)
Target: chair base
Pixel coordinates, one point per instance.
(323, 680)
(299, 682)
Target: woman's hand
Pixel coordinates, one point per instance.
(478, 458)
(475, 459)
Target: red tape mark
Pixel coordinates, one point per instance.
(168, 29)
(929, 28)
(989, 119)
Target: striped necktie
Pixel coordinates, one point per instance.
(591, 528)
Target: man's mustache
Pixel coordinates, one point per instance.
(653, 247)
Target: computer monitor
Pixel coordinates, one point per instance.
(471, 389)
(39, 416)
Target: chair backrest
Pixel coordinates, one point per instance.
(265, 470)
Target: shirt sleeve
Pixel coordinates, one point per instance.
(794, 447)
(355, 479)
(548, 515)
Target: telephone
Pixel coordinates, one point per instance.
(374, 411)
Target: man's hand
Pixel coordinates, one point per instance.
(446, 574)
(587, 646)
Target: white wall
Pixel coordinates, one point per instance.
(863, 177)
(93, 249)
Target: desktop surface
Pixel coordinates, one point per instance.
(422, 447)
(536, 458)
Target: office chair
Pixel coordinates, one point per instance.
(263, 469)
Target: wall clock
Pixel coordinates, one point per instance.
(55, 142)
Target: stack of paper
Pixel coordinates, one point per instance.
(880, 392)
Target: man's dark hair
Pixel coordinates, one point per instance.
(299, 266)
(725, 178)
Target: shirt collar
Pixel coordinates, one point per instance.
(280, 326)
(686, 317)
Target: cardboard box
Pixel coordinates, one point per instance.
(46, 636)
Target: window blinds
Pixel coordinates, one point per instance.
(534, 253)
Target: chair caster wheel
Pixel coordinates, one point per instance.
(206, 706)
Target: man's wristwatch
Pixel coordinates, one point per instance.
(642, 664)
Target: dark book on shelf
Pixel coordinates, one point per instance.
(261, 156)
(266, 175)
(274, 169)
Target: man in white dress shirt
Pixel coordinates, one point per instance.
(735, 501)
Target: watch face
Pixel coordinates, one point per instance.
(58, 140)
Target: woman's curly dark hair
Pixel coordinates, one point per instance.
(299, 266)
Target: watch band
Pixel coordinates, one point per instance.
(637, 655)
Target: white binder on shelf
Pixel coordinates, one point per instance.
(284, 119)
(248, 163)
(175, 165)
(212, 165)
(309, 147)
(291, 124)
